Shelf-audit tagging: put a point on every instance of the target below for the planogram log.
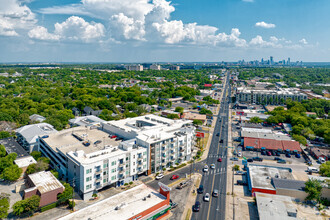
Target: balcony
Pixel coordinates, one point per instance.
(98, 171)
(172, 152)
(121, 177)
(181, 149)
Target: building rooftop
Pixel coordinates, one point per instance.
(261, 175)
(121, 206)
(275, 207)
(272, 144)
(45, 181)
(80, 138)
(38, 118)
(263, 135)
(288, 184)
(31, 132)
(86, 120)
(12, 146)
(284, 91)
(24, 161)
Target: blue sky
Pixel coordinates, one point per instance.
(163, 31)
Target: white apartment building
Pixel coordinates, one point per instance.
(155, 67)
(137, 67)
(92, 160)
(274, 96)
(167, 141)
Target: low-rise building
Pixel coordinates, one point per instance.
(193, 116)
(45, 185)
(140, 202)
(320, 152)
(272, 144)
(92, 159)
(88, 121)
(28, 135)
(37, 118)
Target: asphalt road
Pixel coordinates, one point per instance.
(216, 178)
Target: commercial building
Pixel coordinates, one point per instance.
(92, 159)
(206, 92)
(155, 67)
(274, 207)
(89, 120)
(167, 141)
(140, 202)
(262, 134)
(272, 144)
(27, 136)
(193, 116)
(134, 67)
(45, 185)
(320, 152)
(279, 95)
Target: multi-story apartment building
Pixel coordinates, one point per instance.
(137, 67)
(155, 67)
(92, 160)
(167, 141)
(264, 96)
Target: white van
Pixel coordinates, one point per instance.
(321, 160)
(312, 170)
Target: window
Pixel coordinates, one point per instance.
(105, 173)
(89, 186)
(113, 170)
(126, 165)
(105, 165)
(88, 171)
(127, 172)
(113, 163)
(104, 180)
(113, 177)
(88, 179)
(133, 170)
(144, 153)
(133, 156)
(126, 158)
(145, 159)
(133, 163)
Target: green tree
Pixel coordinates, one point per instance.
(11, 173)
(4, 134)
(313, 187)
(179, 109)
(297, 129)
(2, 151)
(4, 207)
(66, 194)
(173, 116)
(55, 173)
(197, 122)
(236, 167)
(325, 169)
(36, 155)
(29, 205)
(300, 139)
(255, 120)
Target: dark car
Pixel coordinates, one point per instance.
(257, 159)
(200, 189)
(218, 134)
(221, 141)
(197, 206)
(277, 158)
(273, 153)
(263, 152)
(278, 153)
(173, 205)
(241, 182)
(219, 159)
(298, 155)
(288, 155)
(281, 161)
(250, 160)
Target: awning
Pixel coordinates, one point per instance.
(295, 151)
(249, 147)
(263, 148)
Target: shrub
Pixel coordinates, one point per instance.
(130, 183)
(47, 207)
(95, 195)
(164, 169)
(125, 184)
(72, 204)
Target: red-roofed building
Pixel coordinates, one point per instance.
(270, 144)
(208, 85)
(293, 146)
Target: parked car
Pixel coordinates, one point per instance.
(257, 159)
(273, 153)
(288, 155)
(206, 168)
(234, 153)
(298, 156)
(263, 152)
(281, 161)
(215, 193)
(218, 134)
(321, 160)
(269, 153)
(239, 154)
(233, 158)
(174, 177)
(312, 170)
(207, 197)
(197, 206)
(174, 205)
(278, 153)
(277, 158)
(200, 189)
(221, 141)
(250, 160)
(212, 166)
(183, 184)
(159, 176)
(241, 182)
(219, 159)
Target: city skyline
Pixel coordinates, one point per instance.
(163, 31)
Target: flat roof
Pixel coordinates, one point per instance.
(131, 203)
(88, 120)
(72, 139)
(261, 175)
(289, 184)
(25, 161)
(275, 207)
(12, 146)
(45, 181)
(31, 132)
(263, 135)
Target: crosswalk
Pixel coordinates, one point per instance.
(217, 156)
(215, 171)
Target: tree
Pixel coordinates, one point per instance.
(66, 194)
(325, 169)
(297, 129)
(255, 120)
(4, 134)
(2, 151)
(205, 111)
(36, 155)
(11, 173)
(4, 207)
(55, 173)
(236, 167)
(28, 205)
(173, 116)
(197, 122)
(41, 165)
(179, 109)
(313, 187)
(300, 139)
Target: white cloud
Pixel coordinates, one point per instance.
(15, 16)
(273, 42)
(129, 28)
(265, 25)
(303, 41)
(74, 28)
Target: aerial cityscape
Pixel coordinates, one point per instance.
(158, 109)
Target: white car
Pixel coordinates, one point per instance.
(239, 154)
(212, 166)
(159, 176)
(207, 197)
(206, 168)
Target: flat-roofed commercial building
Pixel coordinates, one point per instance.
(167, 141)
(92, 159)
(140, 202)
(273, 96)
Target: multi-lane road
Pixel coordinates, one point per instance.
(216, 178)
